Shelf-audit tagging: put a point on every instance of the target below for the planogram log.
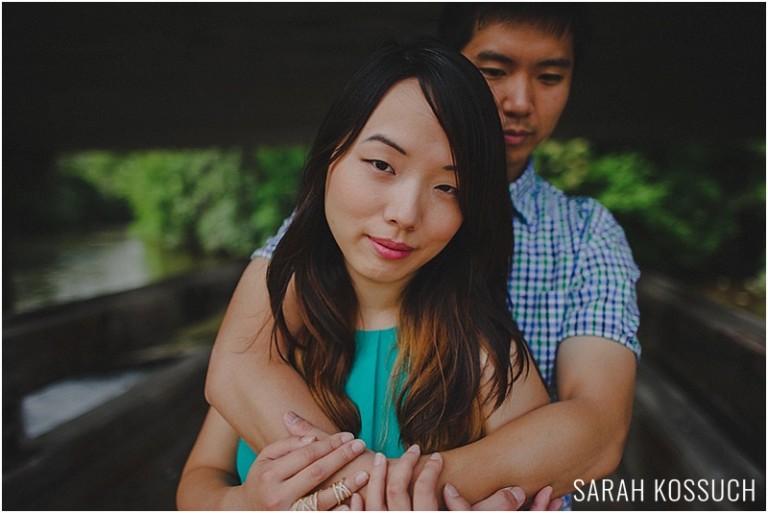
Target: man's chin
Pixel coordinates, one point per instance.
(515, 168)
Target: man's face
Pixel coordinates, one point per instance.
(529, 71)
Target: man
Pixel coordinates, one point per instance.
(571, 285)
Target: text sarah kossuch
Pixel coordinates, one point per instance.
(665, 490)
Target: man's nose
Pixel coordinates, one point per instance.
(515, 97)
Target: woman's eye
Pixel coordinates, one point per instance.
(381, 165)
(450, 189)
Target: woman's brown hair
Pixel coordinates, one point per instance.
(455, 309)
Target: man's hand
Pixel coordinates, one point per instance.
(506, 499)
(298, 426)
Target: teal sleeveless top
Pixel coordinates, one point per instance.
(368, 387)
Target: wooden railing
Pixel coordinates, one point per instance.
(699, 409)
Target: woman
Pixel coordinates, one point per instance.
(398, 264)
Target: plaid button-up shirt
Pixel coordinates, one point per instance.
(572, 271)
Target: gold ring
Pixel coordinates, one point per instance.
(306, 503)
(341, 492)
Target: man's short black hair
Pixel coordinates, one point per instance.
(458, 21)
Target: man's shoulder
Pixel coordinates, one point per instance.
(555, 203)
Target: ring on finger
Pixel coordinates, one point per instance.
(341, 492)
(306, 503)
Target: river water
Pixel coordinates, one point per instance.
(68, 267)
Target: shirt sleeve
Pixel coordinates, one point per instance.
(602, 299)
(269, 247)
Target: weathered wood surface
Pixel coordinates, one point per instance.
(127, 454)
(715, 354)
(699, 409)
(100, 334)
(45, 345)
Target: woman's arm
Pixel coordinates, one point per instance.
(208, 480)
(284, 471)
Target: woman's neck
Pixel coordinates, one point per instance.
(379, 305)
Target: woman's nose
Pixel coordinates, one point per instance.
(404, 206)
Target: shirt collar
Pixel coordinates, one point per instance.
(521, 191)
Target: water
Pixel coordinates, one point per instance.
(67, 267)
(52, 406)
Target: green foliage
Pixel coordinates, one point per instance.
(682, 211)
(204, 200)
(692, 209)
(83, 199)
(279, 172)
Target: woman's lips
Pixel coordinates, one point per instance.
(389, 249)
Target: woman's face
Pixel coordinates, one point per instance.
(390, 200)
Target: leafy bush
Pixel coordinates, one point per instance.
(684, 211)
(204, 200)
(691, 210)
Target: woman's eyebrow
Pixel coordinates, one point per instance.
(389, 142)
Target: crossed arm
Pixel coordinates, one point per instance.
(580, 437)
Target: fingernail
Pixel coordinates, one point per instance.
(291, 418)
(361, 478)
(436, 457)
(450, 490)
(557, 504)
(518, 492)
(347, 437)
(414, 449)
(378, 459)
(358, 446)
(308, 439)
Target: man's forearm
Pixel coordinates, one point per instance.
(247, 382)
(552, 445)
(580, 437)
(254, 403)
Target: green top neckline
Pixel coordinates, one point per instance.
(384, 330)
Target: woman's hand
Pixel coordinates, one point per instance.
(291, 468)
(389, 484)
(388, 489)
(394, 493)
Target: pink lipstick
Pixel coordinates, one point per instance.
(389, 249)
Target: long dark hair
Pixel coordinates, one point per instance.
(454, 307)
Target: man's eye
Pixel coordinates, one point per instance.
(551, 78)
(491, 72)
